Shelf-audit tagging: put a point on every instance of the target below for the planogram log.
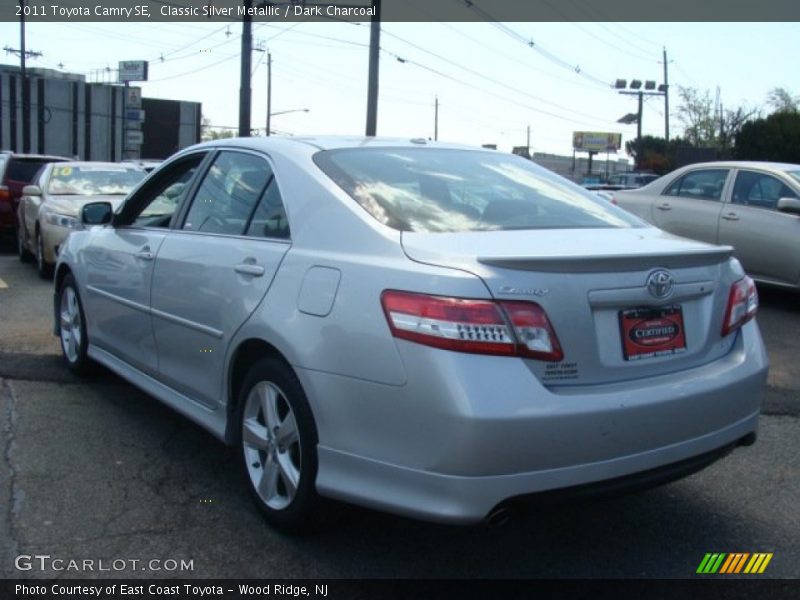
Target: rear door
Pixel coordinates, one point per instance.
(690, 206)
(766, 241)
(213, 270)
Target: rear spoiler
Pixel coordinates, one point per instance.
(611, 262)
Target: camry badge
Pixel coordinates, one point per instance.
(660, 284)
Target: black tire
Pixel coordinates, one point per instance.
(44, 268)
(74, 356)
(291, 512)
(25, 255)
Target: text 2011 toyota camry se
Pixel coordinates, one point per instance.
(422, 328)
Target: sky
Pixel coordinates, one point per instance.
(491, 84)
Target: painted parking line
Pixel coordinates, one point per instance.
(3, 284)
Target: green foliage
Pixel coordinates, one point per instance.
(708, 124)
(655, 154)
(781, 100)
(776, 138)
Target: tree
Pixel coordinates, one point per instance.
(706, 122)
(654, 153)
(781, 100)
(776, 138)
(209, 132)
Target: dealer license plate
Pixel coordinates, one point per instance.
(651, 332)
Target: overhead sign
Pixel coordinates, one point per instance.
(594, 141)
(132, 70)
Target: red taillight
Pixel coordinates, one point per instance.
(475, 326)
(4, 195)
(742, 305)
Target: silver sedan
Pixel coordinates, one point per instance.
(752, 206)
(422, 328)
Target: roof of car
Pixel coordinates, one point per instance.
(749, 164)
(328, 142)
(43, 157)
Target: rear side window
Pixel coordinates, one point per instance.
(706, 184)
(759, 189)
(444, 190)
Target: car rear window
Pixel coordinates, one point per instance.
(24, 169)
(446, 190)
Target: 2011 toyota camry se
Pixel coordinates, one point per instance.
(422, 328)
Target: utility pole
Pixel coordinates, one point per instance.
(244, 88)
(374, 57)
(436, 119)
(269, 91)
(26, 100)
(639, 126)
(666, 97)
(528, 142)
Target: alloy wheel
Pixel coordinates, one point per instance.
(70, 317)
(271, 445)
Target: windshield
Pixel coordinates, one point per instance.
(443, 190)
(794, 174)
(93, 180)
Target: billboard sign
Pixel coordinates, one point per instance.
(594, 141)
(132, 70)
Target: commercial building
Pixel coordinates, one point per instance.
(92, 121)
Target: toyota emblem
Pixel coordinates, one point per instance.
(660, 283)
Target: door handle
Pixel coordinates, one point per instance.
(664, 206)
(731, 216)
(145, 254)
(249, 269)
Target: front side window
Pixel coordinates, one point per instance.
(156, 203)
(759, 189)
(229, 194)
(706, 184)
(443, 190)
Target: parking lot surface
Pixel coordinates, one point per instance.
(98, 470)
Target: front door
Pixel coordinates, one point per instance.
(119, 264)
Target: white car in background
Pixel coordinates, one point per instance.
(50, 206)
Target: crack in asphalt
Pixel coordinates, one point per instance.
(15, 495)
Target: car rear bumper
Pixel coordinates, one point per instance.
(475, 433)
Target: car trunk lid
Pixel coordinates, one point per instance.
(593, 285)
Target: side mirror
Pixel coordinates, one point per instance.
(789, 205)
(31, 190)
(97, 213)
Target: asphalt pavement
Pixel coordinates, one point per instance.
(96, 470)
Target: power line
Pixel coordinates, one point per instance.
(486, 77)
(531, 43)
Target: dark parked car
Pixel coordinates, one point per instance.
(17, 171)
